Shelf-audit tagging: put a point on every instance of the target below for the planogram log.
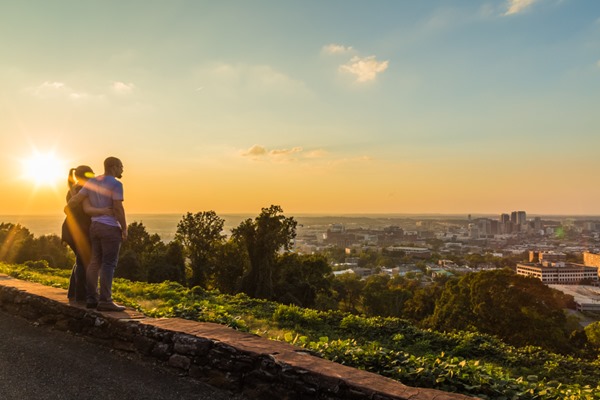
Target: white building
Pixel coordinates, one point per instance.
(558, 273)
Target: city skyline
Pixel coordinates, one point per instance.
(344, 107)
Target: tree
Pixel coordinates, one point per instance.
(233, 261)
(49, 248)
(422, 303)
(299, 279)
(380, 297)
(262, 238)
(12, 240)
(520, 310)
(592, 332)
(348, 287)
(130, 267)
(135, 253)
(201, 235)
(167, 263)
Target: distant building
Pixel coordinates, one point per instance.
(521, 217)
(336, 235)
(447, 264)
(558, 273)
(546, 256)
(342, 272)
(417, 252)
(591, 260)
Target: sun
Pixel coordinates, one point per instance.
(43, 169)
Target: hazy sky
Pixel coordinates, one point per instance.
(449, 106)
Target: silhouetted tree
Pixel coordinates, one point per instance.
(262, 239)
(299, 279)
(232, 263)
(135, 252)
(201, 235)
(50, 248)
(12, 240)
(167, 263)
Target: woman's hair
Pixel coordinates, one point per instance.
(81, 173)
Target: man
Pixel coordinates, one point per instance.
(106, 233)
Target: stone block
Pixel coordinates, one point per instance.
(162, 351)
(143, 344)
(179, 361)
(190, 345)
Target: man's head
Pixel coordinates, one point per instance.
(113, 166)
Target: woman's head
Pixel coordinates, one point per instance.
(80, 174)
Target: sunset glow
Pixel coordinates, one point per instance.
(441, 106)
(43, 169)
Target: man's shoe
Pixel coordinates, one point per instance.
(91, 304)
(110, 306)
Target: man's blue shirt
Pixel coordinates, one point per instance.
(101, 191)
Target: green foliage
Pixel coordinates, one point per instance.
(40, 264)
(232, 262)
(592, 331)
(144, 257)
(263, 238)
(466, 362)
(18, 245)
(13, 237)
(349, 288)
(383, 296)
(518, 309)
(167, 263)
(201, 235)
(299, 279)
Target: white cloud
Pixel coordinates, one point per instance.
(293, 154)
(255, 151)
(337, 49)
(517, 6)
(365, 69)
(122, 87)
(56, 89)
(285, 152)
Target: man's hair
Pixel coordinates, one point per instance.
(110, 162)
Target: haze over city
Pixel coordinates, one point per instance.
(455, 107)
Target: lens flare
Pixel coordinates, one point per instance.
(43, 169)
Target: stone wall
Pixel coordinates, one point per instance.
(215, 354)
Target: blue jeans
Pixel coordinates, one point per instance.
(77, 283)
(106, 243)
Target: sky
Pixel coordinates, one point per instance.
(336, 107)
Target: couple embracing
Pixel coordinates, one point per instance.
(95, 228)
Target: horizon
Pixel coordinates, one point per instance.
(407, 108)
(333, 215)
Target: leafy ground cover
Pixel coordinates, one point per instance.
(464, 362)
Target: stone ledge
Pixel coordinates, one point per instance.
(221, 356)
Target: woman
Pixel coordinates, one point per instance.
(75, 231)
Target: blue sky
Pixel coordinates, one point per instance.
(335, 106)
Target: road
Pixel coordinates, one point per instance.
(39, 363)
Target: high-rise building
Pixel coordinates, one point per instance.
(504, 218)
(495, 225)
(521, 217)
